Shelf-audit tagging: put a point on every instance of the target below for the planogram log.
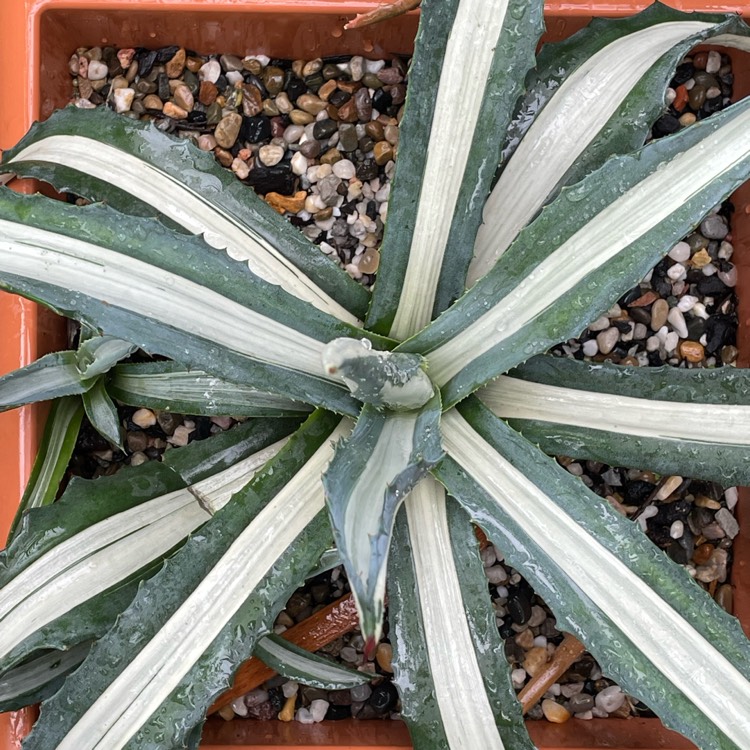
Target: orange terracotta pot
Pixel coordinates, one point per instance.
(36, 40)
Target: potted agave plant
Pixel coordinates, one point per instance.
(432, 404)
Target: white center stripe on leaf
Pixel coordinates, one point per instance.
(674, 647)
(513, 398)
(185, 207)
(113, 549)
(474, 37)
(122, 281)
(139, 690)
(549, 149)
(613, 229)
(364, 513)
(459, 687)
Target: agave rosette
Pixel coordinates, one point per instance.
(576, 214)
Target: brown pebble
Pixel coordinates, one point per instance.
(206, 142)
(300, 117)
(703, 553)
(207, 93)
(369, 261)
(699, 60)
(223, 157)
(350, 86)
(326, 213)
(143, 418)
(383, 153)
(311, 103)
(702, 501)
(525, 639)
(724, 597)
(173, 111)
(692, 351)
(325, 91)
(659, 313)
(153, 102)
(176, 65)
(728, 354)
(194, 64)
(535, 660)
(252, 100)
(226, 713)
(183, 97)
(347, 112)
(125, 57)
(384, 657)
(554, 712)
(688, 118)
(281, 203)
(646, 299)
(375, 130)
(228, 129)
(331, 156)
(668, 486)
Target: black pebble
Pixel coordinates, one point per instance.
(711, 286)
(146, 60)
(165, 54)
(324, 129)
(683, 73)
(367, 170)
(519, 609)
(720, 330)
(637, 491)
(383, 698)
(256, 129)
(666, 125)
(336, 713)
(278, 179)
(381, 100)
(162, 87)
(295, 88)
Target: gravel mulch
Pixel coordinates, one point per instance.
(317, 139)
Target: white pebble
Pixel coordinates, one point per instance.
(540, 641)
(670, 343)
(234, 76)
(709, 270)
(600, 324)
(607, 340)
(714, 62)
(677, 272)
(518, 677)
(344, 169)
(686, 303)
(680, 252)
(584, 715)
(239, 707)
(496, 574)
(648, 512)
(262, 59)
(731, 495)
(640, 331)
(123, 99)
(293, 133)
(610, 699)
(670, 96)
(210, 71)
(677, 529)
(652, 344)
(304, 716)
(271, 155)
(488, 556)
(590, 348)
(290, 688)
(725, 250)
(699, 310)
(374, 66)
(677, 319)
(97, 71)
(299, 163)
(318, 710)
